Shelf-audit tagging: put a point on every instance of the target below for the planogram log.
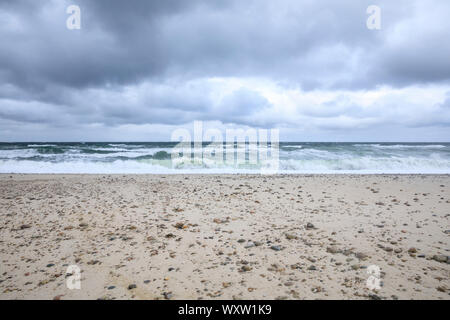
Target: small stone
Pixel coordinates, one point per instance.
(440, 258)
(312, 268)
(25, 226)
(241, 240)
(296, 266)
(132, 286)
(288, 284)
(361, 256)
(111, 287)
(50, 265)
(220, 221)
(290, 236)
(311, 259)
(276, 248)
(333, 250)
(246, 268)
(412, 250)
(249, 244)
(347, 252)
(179, 225)
(167, 295)
(146, 281)
(309, 225)
(316, 289)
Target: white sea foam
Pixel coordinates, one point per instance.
(40, 145)
(345, 165)
(309, 158)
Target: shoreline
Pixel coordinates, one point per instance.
(233, 236)
(226, 174)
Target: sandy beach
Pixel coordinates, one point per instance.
(225, 236)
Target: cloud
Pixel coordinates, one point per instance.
(298, 65)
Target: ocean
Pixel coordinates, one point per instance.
(155, 158)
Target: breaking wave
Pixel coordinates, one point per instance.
(155, 158)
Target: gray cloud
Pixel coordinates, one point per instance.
(151, 62)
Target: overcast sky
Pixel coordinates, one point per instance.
(137, 70)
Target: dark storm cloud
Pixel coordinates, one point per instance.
(314, 44)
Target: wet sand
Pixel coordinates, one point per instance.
(225, 236)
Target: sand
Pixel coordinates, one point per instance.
(225, 236)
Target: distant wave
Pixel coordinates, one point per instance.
(40, 145)
(401, 146)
